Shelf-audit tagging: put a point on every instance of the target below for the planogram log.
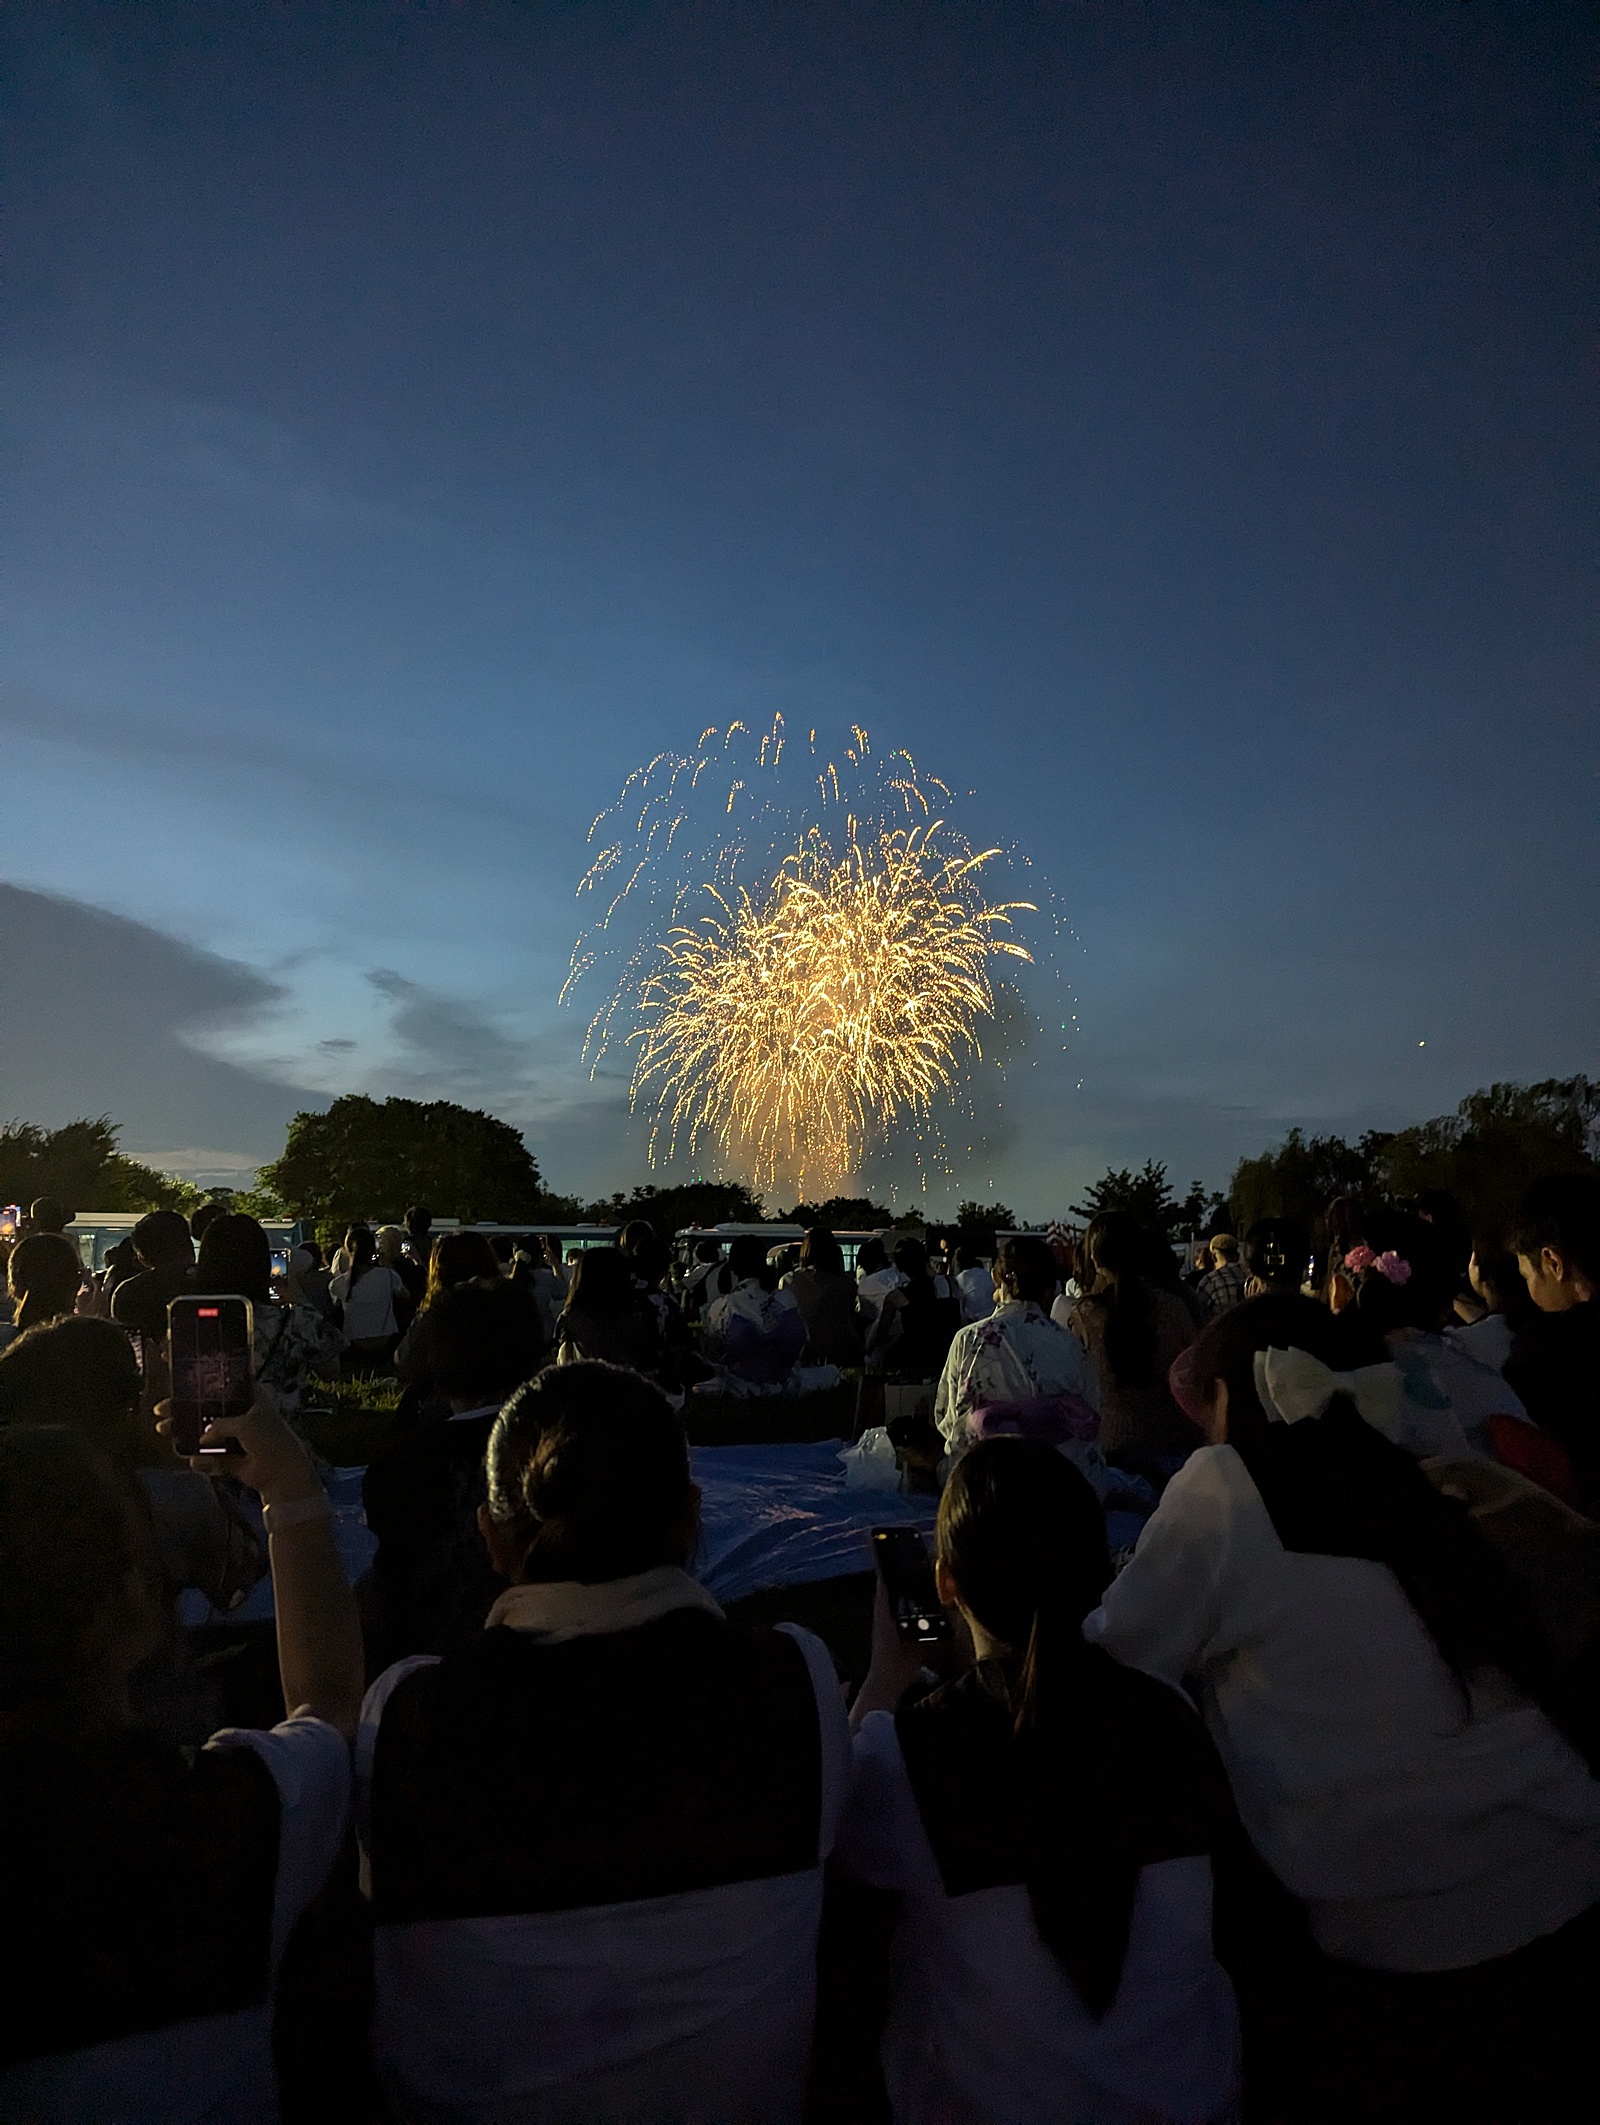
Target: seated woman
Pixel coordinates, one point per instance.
(149, 1891)
(83, 1373)
(754, 1333)
(1047, 1820)
(825, 1292)
(1133, 1330)
(1393, 1724)
(1018, 1354)
(595, 1836)
(607, 1318)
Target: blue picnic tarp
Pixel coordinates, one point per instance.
(770, 1516)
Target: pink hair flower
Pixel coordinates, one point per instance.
(1394, 1266)
(1359, 1258)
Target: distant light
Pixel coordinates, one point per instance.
(1422, 1043)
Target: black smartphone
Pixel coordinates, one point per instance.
(906, 1570)
(212, 1348)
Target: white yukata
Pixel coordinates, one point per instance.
(1016, 1355)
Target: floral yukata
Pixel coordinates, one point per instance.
(1016, 1355)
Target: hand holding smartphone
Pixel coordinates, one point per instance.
(211, 1341)
(906, 1570)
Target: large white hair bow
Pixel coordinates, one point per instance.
(1293, 1385)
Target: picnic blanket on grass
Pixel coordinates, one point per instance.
(770, 1516)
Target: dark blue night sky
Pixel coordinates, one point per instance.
(1174, 423)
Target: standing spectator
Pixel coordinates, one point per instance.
(1047, 1821)
(1392, 1722)
(45, 1273)
(597, 1831)
(150, 1889)
(292, 1343)
(1223, 1284)
(1018, 1354)
(163, 1244)
(825, 1292)
(975, 1283)
(430, 1584)
(1555, 1365)
(1133, 1332)
(372, 1302)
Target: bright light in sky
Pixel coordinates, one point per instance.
(1171, 424)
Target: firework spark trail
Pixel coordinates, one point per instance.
(794, 1026)
(800, 958)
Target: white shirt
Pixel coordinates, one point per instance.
(1016, 1355)
(696, 2007)
(976, 1286)
(217, 2070)
(370, 1315)
(1488, 1340)
(985, 2028)
(1421, 1837)
(1475, 1390)
(873, 1288)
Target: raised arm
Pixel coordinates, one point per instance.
(319, 1631)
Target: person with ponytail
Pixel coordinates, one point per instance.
(1409, 1756)
(1133, 1331)
(594, 1837)
(1047, 1820)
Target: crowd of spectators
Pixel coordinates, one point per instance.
(1285, 1812)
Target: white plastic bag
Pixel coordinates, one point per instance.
(870, 1464)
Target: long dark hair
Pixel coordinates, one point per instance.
(236, 1257)
(457, 1258)
(819, 1250)
(1022, 1534)
(602, 1285)
(1118, 1247)
(1334, 1486)
(361, 1245)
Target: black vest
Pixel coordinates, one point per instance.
(137, 1890)
(518, 1777)
(1127, 1777)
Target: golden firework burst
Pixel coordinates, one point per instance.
(795, 1023)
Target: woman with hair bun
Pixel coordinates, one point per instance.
(595, 1835)
(1047, 1820)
